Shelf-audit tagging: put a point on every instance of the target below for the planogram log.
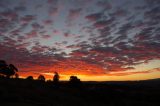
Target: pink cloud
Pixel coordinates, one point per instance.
(103, 23)
(104, 4)
(36, 26)
(11, 15)
(23, 45)
(53, 11)
(15, 32)
(74, 13)
(67, 34)
(4, 22)
(32, 34)
(100, 24)
(93, 17)
(27, 18)
(48, 22)
(56, 31)
(46, 36)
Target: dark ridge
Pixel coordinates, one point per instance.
(30, 92)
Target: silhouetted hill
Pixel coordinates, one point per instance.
(23, 92)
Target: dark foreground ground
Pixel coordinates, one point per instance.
(22, 92)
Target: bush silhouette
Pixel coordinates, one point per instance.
(41, 78)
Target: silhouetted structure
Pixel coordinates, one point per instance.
(41, 78)
(74, 81)
(7, 70)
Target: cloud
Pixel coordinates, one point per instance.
(67, 34)
(39, 48)
(10, 15)
(23, 45)
(104, 4)
(15, 32)
(125, 28)
(76, 66)
(52, 1)
(94, 17)
(4, 23)
(46, 36)
(36, 26)
(74, 13)
(20, 8)
(8, 41)
(48, 22)
(103, 23)
(72, 47)
(131, 73)
(53, 11)
(21, 38)
(55, 31)
(32, 34)
(120, 13)
(29, 61)
(28, 18)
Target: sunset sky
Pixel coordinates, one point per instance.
(97, 40)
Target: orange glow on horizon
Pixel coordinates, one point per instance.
(88, 72)
(107, 77)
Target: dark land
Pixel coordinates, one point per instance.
(23, 92)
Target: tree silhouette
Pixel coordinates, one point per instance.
(29, 78)
(16, 75)
(56, 77)
(13, 67)
(3, 64)
(7, 70)
(41, 78)
(74, 81)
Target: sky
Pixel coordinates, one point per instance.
(96, 40)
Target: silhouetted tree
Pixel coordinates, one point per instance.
(41, 78)
(3, 64)
(74, 81)
(7, 70)
(56, 79)
(16, 75)
(29, 78)
(13, 67)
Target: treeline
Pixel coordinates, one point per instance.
(11, 71)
